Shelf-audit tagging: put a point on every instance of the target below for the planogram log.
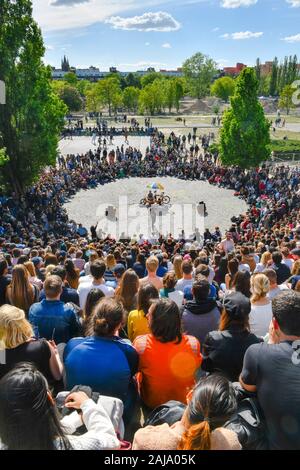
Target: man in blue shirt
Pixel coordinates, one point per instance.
(51, 318)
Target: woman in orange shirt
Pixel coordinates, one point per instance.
(168, 360)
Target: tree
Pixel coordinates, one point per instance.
(199, 71)
(223, 88)
(132, 79)
(71, 97)
(286, 98)
(70, 77)
(179, 92)
(3, 157)
(149, 78)
(245, 136)
(274, 78)
(109, 92)
(31, 120)
(151, 98)
(131, 98)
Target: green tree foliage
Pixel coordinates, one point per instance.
(33, 116)
(149, 78)
(133, 80)
(3, 157)
(71, 78)
(223, 88)
(199, 71)
(274, 78)
(131, 98)
(286, 98)
(152, 98)
(245, 136)
(71, 97)
(106, 92)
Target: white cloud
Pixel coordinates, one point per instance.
(215, 30)
(166, 45)
(63, 15)
(237, 3)
(242, 35)
(294, 3)
(48, 47)
(159, 21)
(147, 43)
(291, 39)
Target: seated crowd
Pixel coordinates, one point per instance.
(110, 328)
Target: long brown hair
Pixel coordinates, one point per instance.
(20, 291)
(128, 289)
(226, 322)
(212, 404)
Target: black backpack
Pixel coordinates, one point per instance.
(169, 413)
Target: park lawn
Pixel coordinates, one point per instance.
(280, 133)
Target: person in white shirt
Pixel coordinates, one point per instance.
(29, 419)
(98, 268)
(227, 244)
(261, 306)
(285, 258)
(187, 276)
(275, 289)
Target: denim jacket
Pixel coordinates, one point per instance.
(52, 319)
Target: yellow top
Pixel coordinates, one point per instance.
(137, 324)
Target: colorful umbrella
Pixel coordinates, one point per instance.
(155, 186)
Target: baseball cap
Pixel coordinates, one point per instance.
(237, 305)
(119, 269)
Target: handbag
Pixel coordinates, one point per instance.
(249, 425)
(170, 413)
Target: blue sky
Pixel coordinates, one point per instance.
(134, 34)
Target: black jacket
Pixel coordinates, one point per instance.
(223, 351)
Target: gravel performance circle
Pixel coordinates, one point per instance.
(126, 217)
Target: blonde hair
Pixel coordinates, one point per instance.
(177, 262)
(49, 269)
(110, 261)
(265, 258)
(152, 264)
(296, 268)
(14, 328)
(260, 286)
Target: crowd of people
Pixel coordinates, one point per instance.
(107, 327)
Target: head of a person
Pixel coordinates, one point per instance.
(30, 268)
(177, 262)
(165, 321)
(286, 313)
(260, 286)
(28, 415)
(277, 258)
(59, 271)
(203, 270)
(236, 311)
(50, 258)
(108, 317)
(3, 267)
(53, 286)
(141, 259)
(14, 328)
(228, 236)
(296, 268)
(119, 271)
(152, 265)
(211, 405)
(93, 297)
(187, 268)
(200, 289)
(233, 266)
(110, 261)
(272, 276)
(98, 268)
(146, 294)
(169, 280)
(241, 283)
(70, 269)
(128, 289)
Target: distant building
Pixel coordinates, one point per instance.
(266, 68)
(234, 71)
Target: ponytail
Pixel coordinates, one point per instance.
(197, 437)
